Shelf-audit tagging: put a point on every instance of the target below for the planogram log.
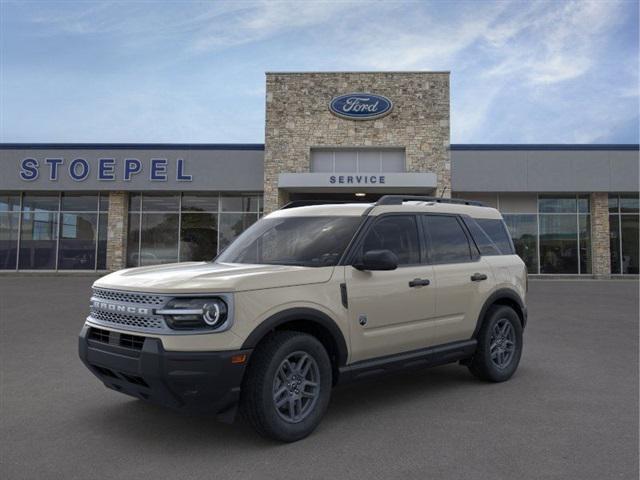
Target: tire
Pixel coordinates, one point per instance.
(274, 386)
(500, 328)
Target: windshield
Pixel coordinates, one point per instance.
(304, 241)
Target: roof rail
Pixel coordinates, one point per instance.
(400, 199)
(306, 203)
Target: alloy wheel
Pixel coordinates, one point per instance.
(503, 343)
(296, 387)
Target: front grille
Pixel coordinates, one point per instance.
(99, 335)
(131, 341)
(127, 320)
(124, 297)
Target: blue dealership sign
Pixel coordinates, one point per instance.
(103, 169)
(360, 106)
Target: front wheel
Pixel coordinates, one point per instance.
(499, 345)
(288, 386)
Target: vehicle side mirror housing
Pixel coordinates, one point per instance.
(378, 260)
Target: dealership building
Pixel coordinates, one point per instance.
(347, 136)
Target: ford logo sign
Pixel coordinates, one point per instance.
(360, 106)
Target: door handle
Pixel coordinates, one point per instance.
(419, 282)
(478, 277)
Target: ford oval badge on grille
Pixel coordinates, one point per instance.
(360, 106)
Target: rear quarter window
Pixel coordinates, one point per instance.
(497, 231)
(485, 245)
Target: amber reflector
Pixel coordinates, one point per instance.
(239, 359)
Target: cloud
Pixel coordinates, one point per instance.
(255, 21)
(209, 25)
(417, 39)
(521, 71)
(551, 42)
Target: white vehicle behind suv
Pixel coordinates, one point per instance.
(308, 297)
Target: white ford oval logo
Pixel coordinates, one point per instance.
(360, 106)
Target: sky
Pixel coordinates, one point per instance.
(193, 72)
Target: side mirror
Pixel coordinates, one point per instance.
(378, 260)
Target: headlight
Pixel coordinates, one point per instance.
(195, 313)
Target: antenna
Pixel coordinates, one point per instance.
(443, 191)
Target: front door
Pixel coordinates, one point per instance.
(391, 311)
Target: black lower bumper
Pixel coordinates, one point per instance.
(139, 366)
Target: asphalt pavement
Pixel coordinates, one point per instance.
(570, 412)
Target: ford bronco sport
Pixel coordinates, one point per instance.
(309, 297)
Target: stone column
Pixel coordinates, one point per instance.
(117, 230)
(600, 251)
(298, 120)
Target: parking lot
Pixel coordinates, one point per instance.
(571, 411)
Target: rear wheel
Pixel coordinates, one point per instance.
(499, 345)
(288, 386)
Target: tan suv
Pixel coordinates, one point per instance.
(308, 297)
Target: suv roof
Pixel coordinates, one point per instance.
(393, 203)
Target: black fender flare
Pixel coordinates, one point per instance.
(502, 294)
(301, 314)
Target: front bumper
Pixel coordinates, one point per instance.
(139, 366)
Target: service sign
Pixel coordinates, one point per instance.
(360, 106)
(414, 182)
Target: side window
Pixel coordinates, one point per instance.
(483, 242)
(446, 239)
(497, 232)
(398, 233)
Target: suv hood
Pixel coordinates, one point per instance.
(206, 277)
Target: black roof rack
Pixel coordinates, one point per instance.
(306, 203)
(400, 199)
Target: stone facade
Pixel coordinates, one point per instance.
(600, 248)
(117, 230)
(298, 119)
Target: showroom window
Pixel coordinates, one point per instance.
(564, 234)
(520, 213)
(9, 230)
(175, 227)
(353, 160)
(53, 231)
(524, 232)
(623, 233)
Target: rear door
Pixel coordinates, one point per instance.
(389, 312)
(462, 277)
